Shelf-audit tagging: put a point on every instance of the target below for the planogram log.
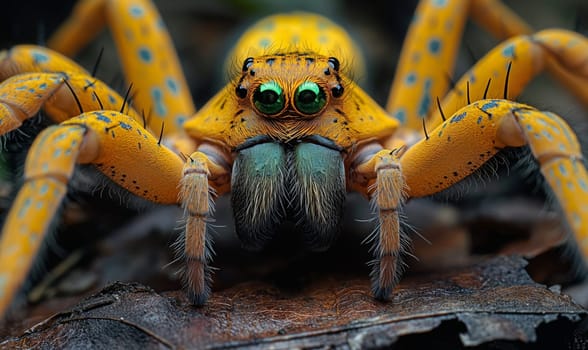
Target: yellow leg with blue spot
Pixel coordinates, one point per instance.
(427, 59)
(116, 145)
(503, 23)
(474, 134)
(32, 58)
(428, 55)
(144, 45)
(49, 166)
(23, 95)
(527, 56)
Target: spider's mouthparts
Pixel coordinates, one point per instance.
(302, 181)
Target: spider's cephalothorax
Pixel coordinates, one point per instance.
(290, 133)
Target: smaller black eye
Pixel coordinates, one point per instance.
(247, 63)
(337, 91)
(334, 63)
(241, 91)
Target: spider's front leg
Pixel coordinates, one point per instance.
(380, 178)
(127, 154)
(474, 134)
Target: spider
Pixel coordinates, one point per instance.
(290, 134)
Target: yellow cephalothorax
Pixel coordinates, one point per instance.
(289, 135)
(288, 96)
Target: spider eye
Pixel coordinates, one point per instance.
(269, 98)
(309, 98)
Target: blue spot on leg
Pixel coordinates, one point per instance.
(425, 99)
(458, 117)
(157, 95)
(400, 115)
(508, 51)
(489, 105)
(136, 11)
(145, 54)
(172, 85)
(434, 46)
(39, 57)
(410, 79)
(180, 119)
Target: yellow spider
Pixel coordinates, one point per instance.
(290, 134)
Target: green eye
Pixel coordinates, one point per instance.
(309, 98)
(269, 98)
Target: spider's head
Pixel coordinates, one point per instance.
(287, 97)
(290, 86)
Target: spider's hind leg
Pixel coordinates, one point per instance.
(144, 45)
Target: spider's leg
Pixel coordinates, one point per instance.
(507, 69)
(429, 50)
(474, 134)
(145, 48)
(116, 145)
(61, 95)
(380, 178)
(35, 206)
(503, 23)
(426, 61)
(32, 58)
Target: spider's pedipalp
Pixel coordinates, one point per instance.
(388, 193)
(197, 202)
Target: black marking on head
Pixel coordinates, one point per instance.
(340, 112)
(334, 63)
(241, 91)
(238, 113)
(247, 63)
(337, 91)
(309, 60)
